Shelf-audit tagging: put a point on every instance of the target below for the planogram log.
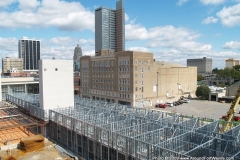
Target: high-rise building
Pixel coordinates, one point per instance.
(110, 28)
(204, 65)
(231, 62)
(76, 58)
(29, 51)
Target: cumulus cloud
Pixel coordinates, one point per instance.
(232, 45)
(28, 5)
(212, 2)
(181, 2)
(142, 49)
(61, 40)
(209, 20)
(230, 16)
(5, 3)
(69, 16)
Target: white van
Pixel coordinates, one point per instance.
(170, 104)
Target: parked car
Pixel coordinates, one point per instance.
(185, 100)
(170, 104)
(175, 103)
(160, 105)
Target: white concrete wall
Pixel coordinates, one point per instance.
(56, 87)
(0, 88)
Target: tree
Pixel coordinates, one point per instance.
(237, 67)
(215, 70)
(203, 91)
(200, 78)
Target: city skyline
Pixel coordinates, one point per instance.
(173, 30)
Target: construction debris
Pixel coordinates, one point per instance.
(32, 143)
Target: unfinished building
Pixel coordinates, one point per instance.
(100, 130)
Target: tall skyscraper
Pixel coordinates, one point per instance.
(76, 58)
(29, 51)
(110, 28)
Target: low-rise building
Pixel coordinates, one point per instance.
(134, 78)
(10, 65)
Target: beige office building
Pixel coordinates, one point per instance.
(231, 62)
(9, 63)
(133, 78)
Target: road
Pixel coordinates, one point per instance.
(199, 108)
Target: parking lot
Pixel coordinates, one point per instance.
(199, 108)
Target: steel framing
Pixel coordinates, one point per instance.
(100, 130)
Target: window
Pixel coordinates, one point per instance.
(136, 88)
(45, 69)
(56, 69)
(135, 82)
(136, 61)
(136, 75)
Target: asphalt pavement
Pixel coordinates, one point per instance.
(200, 108)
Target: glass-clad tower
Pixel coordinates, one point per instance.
(29, 51)
(110, 28)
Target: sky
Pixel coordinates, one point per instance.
(173, 30)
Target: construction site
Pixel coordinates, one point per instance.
(100, 130)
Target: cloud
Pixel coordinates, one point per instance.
(61, 40)
(209, 20)
(28, 5)
(68, 16)
(181, 2)
(230, 16)
(135, 32)
(5, 3)
(232, 45)
(212, 2)
(142, 49)
(126, 17)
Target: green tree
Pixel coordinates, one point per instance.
(215, 70)
(200, 78)
(203, 91)
(237, 67)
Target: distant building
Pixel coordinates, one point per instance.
(231, 62)
(204, 65)
(16, 85)
(76, 58)
(110, 28)
(135, 78)
(77, 83)
(12, 65)
(29, 51)
(56, 84)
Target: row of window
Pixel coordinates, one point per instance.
(140, 82)
(103, 75)
(103, 87)
(140, 89)
(124, 88)
(142, 62)
(102, 69)
(123, 81)
(104, 81)
(142, 69)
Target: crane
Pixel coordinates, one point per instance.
(231, 112)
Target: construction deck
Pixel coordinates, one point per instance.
(100, 130)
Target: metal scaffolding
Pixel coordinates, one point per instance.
(100, 130)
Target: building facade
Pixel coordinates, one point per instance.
(110, 28)
(133, 78)
(231, 62)
(204, 65)
(11, 64)
(29, 51)
(19, 85)
(56, 84)
(76, 58)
